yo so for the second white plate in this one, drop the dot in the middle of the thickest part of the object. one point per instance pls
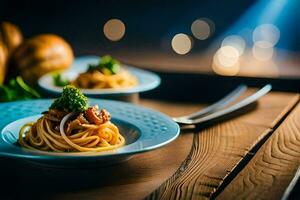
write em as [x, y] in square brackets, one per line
[147, 80]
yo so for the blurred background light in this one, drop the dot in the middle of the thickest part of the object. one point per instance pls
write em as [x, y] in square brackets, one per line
[114, 29]
[226, 71]
[202, 28]
[181, 43]
[265, 21]
[227, 56]
[262, 50]
[235, 41]
[259, 36]
[226, 61]
[268, 33]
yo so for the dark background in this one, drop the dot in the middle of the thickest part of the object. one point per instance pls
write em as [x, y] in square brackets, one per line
[147, 22]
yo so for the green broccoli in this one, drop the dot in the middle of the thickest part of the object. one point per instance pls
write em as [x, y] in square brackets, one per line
[59, 80]
[71, 100]
[107, 65]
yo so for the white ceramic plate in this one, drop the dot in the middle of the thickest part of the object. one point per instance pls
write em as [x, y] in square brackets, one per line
[147, 80]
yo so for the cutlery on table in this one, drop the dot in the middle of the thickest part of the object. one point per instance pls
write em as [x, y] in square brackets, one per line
[219, 108]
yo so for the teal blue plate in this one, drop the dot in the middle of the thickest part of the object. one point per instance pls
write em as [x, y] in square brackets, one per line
[144, 130]
[147, 80]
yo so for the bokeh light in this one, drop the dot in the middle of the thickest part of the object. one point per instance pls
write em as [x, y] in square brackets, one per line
[202, 28]
[235, 41]
[226, 61]
[227, 56]
[114, 29]
[262, 50]
[181, 43]
[268, 33]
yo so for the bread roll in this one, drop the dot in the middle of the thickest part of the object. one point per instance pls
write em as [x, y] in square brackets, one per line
[41, 54]
[10, 36]
[3, 59]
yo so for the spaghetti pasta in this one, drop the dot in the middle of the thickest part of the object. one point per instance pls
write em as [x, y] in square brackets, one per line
[108, 73]
[70, 125]
[96, 79]
[44, 135]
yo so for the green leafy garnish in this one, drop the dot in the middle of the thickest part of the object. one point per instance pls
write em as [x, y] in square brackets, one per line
[17, 89]
[107, 65]
[59, 80]
[71, 100]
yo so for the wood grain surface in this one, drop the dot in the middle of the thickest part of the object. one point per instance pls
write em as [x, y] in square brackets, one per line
[218, 150]
[273, 167]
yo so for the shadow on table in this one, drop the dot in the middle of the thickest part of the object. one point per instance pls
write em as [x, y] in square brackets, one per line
[23, 180]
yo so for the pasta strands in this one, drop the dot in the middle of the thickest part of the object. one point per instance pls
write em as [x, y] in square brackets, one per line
[42, 136]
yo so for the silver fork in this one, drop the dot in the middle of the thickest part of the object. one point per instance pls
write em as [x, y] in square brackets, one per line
[222, 103]
[216, 110]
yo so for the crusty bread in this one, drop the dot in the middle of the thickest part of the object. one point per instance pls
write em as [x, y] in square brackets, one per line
[10, 36]
[3, 59]
[41, 54]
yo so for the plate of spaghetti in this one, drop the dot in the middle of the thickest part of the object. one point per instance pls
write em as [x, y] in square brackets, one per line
[100, 76]
[73, 131]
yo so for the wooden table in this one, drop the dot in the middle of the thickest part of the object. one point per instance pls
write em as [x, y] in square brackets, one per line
[252, 156]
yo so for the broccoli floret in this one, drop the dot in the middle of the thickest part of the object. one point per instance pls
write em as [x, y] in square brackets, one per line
[107, 65]
[59, 80]
[71, 100]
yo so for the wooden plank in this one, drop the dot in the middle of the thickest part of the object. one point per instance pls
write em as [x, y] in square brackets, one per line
[276, 103]
[269, 172]
[217, 150]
